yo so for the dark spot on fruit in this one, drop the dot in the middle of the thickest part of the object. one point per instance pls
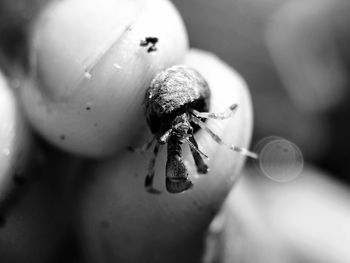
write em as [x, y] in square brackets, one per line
[150, 43]
[88, 108]
[62, 137]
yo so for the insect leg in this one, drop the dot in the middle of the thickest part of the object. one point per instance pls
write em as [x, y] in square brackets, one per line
[202, 168]
[193, 145]
[164, 138]
[216, 138]
[149, 178]
[219, 116]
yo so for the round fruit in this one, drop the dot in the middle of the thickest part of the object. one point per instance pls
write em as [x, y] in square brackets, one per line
[90, 70]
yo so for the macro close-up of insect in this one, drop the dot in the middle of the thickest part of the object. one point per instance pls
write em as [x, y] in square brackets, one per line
[153, 131]
[176, 105]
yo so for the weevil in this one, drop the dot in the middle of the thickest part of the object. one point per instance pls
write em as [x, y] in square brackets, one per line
[176, 105]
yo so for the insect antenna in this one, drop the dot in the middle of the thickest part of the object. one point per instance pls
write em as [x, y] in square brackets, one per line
[213, 115]
[216, 138]
[150, 175]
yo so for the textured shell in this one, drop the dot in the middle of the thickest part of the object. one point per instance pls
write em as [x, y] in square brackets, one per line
[174, 90]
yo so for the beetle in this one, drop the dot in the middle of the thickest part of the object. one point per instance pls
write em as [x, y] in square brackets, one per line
[176, 105]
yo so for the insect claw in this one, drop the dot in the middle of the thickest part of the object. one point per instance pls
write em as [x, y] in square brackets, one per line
[203, 169]
[153, 190]
[149, 185]
[150, 175]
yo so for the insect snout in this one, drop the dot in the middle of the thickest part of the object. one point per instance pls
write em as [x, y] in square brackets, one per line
[181, 126]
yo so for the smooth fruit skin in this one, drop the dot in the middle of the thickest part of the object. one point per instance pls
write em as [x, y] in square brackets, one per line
[89, 73]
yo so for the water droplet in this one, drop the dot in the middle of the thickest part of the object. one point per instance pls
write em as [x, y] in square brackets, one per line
[279, 159]
[117, 66]
[87, 75]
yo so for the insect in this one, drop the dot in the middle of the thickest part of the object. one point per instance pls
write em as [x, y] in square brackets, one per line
[176, 103]
[151, 42]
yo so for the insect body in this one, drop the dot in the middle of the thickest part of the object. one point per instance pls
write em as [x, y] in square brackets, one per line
[176, 102]
[172, 95]
[176, 105]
